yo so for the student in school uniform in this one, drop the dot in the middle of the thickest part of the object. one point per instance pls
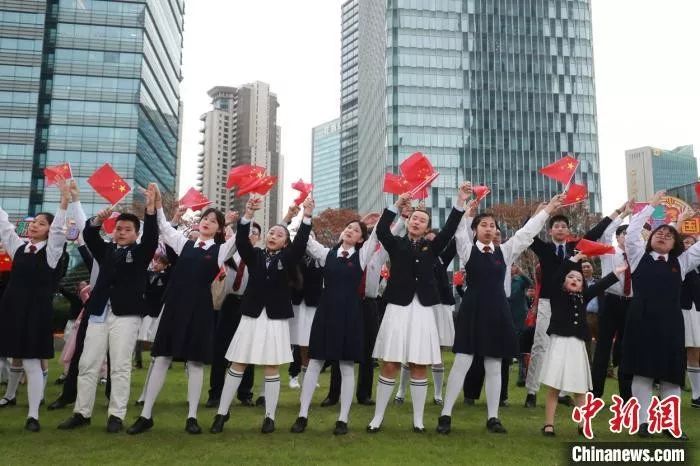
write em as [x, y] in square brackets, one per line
[484, 323]
[116, 308]
[186, 327]
[337, 333]
[654, 346]
[236, 282]
[262, 337]
[156, 283]
[408, 332]
[551, 255]
[26, 307]
[565, 365]
[690, 303]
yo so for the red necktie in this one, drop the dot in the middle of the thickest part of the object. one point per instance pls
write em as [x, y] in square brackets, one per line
[202, 244]
[627, 286]
[661, 259]
[487, 249]
[239, 276]
[32, 248]
[344, 254]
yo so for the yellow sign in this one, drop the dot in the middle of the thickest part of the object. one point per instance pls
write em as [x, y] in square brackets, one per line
[675, 206]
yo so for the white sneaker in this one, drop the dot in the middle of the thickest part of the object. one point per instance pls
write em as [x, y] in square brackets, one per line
[294, 383]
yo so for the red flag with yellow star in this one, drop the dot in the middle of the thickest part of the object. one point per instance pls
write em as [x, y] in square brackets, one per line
[108, 184]
[53, 173]
[260, 186]
[593, 248]
[417, 168]
[395, 184]
[194, 200]
[304, 190]
[243, 175]
[575, 194]
[562, 170]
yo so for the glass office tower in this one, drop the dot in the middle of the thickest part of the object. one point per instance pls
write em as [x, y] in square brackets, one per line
[325, 165]
[348, 103]
[490, 90]
[88, 82]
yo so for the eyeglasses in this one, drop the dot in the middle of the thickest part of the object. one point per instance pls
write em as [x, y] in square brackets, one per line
[664, 235]
[254, 233]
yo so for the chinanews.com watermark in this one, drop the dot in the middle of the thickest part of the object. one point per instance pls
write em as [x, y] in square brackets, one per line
[663, 416]
[611, 453]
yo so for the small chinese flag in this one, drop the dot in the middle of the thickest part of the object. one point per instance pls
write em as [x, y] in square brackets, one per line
[304, 190]
[458, 278]
[5, 262]
[385, 274]
[243, 174]
[592, 248]
[108, 184]
[111, 223]
[416, 168]
[395, 184]
[575, 194]
[194, 200]
[697, 190]
[260, 186]
[480, 192]
[52, 173]
[562, 170]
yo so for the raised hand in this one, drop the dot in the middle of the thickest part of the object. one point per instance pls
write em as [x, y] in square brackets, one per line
[554, 204]
[292, 212]
[471, 208]
[231, 217]
[309, 205]
[685, 214]
[253, 204]
[656, 199]
[464, 192]
[403, 201]
[102, 215]
[150, 196]
[370, 219]
[64, 188]
[74, 191]
[179, 212]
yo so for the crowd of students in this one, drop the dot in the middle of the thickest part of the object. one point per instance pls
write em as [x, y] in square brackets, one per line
[231, 296]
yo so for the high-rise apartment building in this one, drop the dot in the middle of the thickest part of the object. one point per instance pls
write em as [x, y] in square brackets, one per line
[349, 104]
[241, 129]
[650, 169]
[325, 165]
[490, 90]
[87, 82]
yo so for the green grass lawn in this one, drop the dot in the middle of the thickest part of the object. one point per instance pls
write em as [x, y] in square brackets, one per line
[469, 443]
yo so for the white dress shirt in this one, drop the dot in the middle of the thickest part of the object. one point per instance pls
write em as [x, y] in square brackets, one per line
[636, 246]
[380, 257]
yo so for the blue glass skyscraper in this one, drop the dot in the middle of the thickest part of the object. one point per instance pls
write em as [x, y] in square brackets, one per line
[88, 82]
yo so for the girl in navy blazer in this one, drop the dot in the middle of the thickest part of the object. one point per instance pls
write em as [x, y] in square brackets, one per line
[262, 337]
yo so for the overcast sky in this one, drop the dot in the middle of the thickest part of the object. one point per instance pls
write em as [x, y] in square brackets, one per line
[647, 65]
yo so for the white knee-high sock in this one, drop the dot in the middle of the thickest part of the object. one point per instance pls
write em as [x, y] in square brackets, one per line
[492, 382]
[302, 375]
[403, 381]
[35, 385]
[419, 390]
[145, 383]
[195, 380]
[13, 382]
[438, 377]
[347, 388]
[642, 388]
[231, 384]
[155, 384]
[272, 395]
[385, 387]
[309, 386]
[667, 389]
[694, 376]
[455, 381]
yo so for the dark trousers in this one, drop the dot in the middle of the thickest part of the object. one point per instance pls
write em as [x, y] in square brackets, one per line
[370, 311]
[474, 380]
[295, 366]
[611, 322]
[227, 322]
[334, 389]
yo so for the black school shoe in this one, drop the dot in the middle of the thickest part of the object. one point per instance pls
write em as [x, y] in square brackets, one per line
[341, 428]
[566, 401]
[32, 425]
[643, 431]
[192, 427]
[218, 425]
[372, 430]
[495, 427]
[695, 403]
[328, 402]
[114, 425]
[140, 426]
[260, 401]
[299, 425]
[444, 425]
[682, 438]
[268, 426]
[212, 403]
[75, 421]
[548, 433]
[5, 402]
[58, 404]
